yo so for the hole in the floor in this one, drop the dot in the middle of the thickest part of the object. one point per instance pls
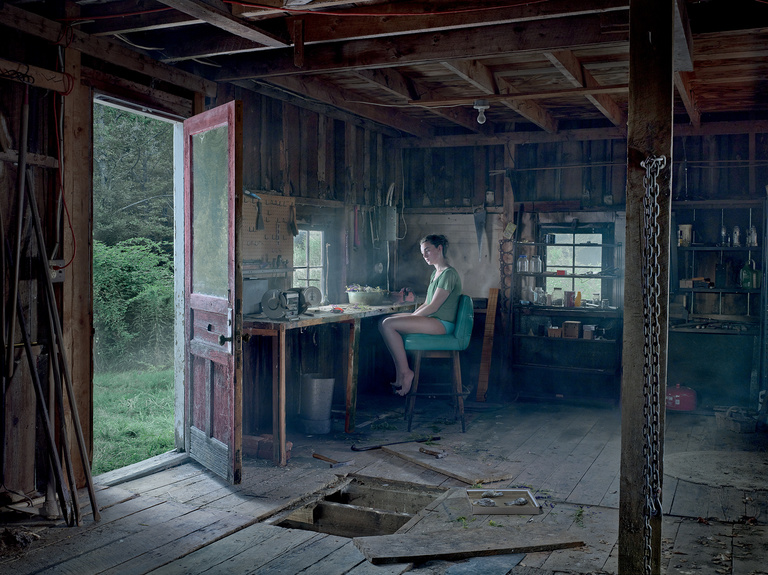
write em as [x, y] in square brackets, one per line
[364, 507]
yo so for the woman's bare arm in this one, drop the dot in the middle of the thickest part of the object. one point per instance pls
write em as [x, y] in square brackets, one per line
[438, 298]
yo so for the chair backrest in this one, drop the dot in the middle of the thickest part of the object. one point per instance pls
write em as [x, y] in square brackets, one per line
[464, 319]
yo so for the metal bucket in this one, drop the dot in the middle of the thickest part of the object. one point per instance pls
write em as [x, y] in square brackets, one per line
[316, 400]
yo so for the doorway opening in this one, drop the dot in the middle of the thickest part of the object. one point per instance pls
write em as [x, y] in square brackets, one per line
[133, 285]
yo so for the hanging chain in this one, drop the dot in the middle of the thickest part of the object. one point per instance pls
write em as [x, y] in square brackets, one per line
[651, 348]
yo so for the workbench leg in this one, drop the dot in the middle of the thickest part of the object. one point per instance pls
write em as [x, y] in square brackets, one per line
[280, 437]
[352, 363]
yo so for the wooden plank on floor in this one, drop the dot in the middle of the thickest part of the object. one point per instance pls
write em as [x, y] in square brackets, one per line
[54, 536]
[701, 549]
[456, 544]
[210, 531]
[349, 560]
[598, 527]
[210, 557]
[72, 554]
[557, 453]
[573, 467]
[167, 477]
[453, 465]
[303, 556]
[749, 548]
[597, 481]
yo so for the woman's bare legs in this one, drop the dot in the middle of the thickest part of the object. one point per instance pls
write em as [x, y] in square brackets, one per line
[392, 329]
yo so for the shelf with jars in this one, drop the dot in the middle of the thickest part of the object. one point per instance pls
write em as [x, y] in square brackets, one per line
[718, 266]
[717, 298]
[563, 317]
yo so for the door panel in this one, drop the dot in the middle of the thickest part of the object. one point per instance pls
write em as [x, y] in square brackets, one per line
[213, 283]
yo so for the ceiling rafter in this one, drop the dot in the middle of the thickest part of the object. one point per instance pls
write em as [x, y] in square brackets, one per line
[687, 95]
[528, 108]
[406, 89]
[103, 49]
[421, 48]
[538, 95]
[317, 89]
[568, 64]
[215, 13]
[482, 78]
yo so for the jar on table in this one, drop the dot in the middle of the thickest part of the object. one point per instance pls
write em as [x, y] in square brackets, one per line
[535, 265]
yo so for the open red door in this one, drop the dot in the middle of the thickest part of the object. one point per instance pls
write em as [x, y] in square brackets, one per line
[212, 288]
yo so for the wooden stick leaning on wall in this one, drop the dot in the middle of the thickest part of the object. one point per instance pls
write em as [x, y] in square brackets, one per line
[487, 354]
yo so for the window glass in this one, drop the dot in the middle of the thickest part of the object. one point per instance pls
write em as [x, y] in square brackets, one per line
[308, 260]
[579, 255]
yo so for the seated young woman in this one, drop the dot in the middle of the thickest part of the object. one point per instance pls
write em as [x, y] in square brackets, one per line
[436, 316]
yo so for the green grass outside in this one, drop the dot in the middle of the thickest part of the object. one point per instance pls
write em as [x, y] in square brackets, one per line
[132, 417]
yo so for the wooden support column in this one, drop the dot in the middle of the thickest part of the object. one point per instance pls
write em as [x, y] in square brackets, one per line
[77, 302]
[649, 134]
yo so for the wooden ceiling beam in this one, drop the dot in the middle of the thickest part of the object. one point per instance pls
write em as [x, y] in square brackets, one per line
[400, 86]
[481, 77]
[389, 80]
[513, 138]
[687, 95]
[422, 48]
[564, 93]
[570, 67]
[474, 73]
[683, 46]
[102, 49]
[583, 135]
[215, 13]
[141, 16]
[316, 89]
[527, 108]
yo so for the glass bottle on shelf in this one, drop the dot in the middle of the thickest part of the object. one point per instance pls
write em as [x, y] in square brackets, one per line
[522, 263]
[557, 297]
[535, 265]
[745, 275]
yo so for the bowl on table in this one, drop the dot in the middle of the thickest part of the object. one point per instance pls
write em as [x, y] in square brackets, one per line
[366, 297]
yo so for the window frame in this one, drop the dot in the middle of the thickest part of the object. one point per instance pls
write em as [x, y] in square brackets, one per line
[307, 281]
[573, 280]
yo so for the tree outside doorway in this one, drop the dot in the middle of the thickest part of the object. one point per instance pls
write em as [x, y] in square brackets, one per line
[132, 287]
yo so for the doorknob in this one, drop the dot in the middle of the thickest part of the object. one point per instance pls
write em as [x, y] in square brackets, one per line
[223, 340]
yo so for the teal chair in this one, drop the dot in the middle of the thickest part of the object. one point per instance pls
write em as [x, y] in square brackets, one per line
[441, 346]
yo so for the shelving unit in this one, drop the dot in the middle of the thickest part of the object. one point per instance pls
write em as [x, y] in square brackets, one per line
[559, 367]
[717, 327]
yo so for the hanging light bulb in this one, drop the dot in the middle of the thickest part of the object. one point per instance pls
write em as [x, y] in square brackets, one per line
[481, 106]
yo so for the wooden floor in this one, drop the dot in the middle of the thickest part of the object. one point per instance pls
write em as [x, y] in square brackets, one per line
[185, 520]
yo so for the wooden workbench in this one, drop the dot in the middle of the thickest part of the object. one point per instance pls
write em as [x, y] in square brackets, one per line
[352, 315]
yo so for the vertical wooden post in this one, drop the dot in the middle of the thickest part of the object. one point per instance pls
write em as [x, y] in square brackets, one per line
[649, 134]
[77, 300]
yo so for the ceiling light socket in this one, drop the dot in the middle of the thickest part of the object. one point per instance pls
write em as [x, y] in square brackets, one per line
[481, 106]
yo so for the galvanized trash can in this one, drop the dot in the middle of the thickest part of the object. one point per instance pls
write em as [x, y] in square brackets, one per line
[316, 400]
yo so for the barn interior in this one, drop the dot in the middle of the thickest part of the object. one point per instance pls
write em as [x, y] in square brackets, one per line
[619, 148]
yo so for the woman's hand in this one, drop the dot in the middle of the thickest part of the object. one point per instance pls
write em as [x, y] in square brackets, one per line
[438, 299]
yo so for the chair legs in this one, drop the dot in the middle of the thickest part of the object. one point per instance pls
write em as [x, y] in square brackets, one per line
[456, 392]
[458, 406]
[410, 400]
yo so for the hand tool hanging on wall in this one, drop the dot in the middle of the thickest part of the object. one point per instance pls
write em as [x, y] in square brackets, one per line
[292, 221]
[57, 340]
[480, 230]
